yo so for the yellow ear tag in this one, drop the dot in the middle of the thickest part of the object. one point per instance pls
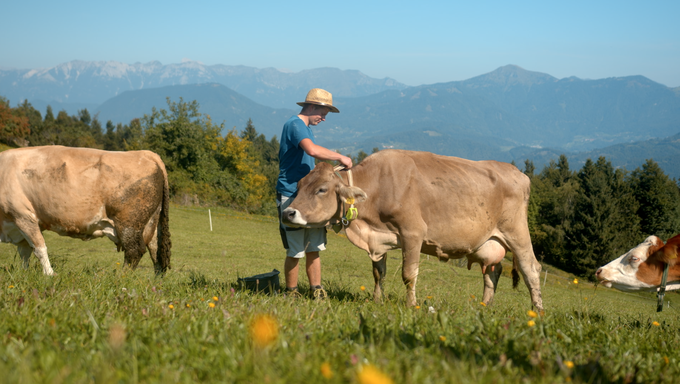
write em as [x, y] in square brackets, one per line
[349, 200]
[352, 214]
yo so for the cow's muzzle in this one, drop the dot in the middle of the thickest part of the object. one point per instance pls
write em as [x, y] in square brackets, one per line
[292, 218]
[602, 279]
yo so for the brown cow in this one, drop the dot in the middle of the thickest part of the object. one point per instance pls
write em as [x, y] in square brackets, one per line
[85, 193]
[641, 268]
[442, 206]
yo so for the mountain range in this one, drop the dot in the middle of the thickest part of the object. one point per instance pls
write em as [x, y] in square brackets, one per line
[93, 82]
[508, 114]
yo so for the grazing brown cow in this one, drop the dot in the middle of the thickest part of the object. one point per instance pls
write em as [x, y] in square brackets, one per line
[85, 193]
[421, 202]
[641, 268]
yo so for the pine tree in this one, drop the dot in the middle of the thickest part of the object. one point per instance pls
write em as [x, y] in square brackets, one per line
[601, 225]
[659, 201]
[110, 138]
[555, 188]
[529, 168]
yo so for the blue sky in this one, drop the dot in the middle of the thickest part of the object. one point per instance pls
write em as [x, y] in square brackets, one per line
[431, 42]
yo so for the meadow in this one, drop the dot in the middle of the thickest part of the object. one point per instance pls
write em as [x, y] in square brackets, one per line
[96, 321]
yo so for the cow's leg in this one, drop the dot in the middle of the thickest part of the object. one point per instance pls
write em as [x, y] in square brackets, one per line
[409, 273]
[25, 251]
[33, 239]
[491, 276]
[530, 269]
[379, 271]
[41, 254]
[152, 246]
[151, 238]
[133, 245]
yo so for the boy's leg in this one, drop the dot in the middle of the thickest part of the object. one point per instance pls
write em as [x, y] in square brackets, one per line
[313, 268]
[290, 269]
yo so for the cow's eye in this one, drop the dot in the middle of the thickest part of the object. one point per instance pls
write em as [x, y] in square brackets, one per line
[322, 190]
[634, 259]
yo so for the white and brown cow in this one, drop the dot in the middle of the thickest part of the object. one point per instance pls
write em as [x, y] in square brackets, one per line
[641, 268]
[424, 203]
[85, 193]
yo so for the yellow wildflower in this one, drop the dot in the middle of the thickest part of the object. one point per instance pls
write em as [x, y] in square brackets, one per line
[483, 304]
[665, 359]
[215, 298]
[429, 297]
[264, 330]
[11, 286]
[326, 370]
[569, 364]
[211, 305]
[417, 306]
[532, 313]
[188, 305]
[362, 288]
[655, 323]
[171, 306]
[442, 338]
[531, 323]
[575, 281]
[372, 375]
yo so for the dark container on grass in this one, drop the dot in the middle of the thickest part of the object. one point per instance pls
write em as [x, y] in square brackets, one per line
[265, 282]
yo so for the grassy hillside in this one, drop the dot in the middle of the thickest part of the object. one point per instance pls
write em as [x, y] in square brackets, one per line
[95, 321]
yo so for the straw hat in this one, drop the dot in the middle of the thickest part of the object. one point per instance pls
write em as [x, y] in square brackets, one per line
[319, 96]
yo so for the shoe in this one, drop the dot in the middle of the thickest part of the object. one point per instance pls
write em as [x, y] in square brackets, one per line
[293, 293]
[318, 293]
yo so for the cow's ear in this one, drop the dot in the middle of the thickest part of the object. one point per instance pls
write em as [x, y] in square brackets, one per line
[655, 246]
[671, 250]
[355, 193]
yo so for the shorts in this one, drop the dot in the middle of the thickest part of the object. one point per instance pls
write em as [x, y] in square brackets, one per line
[299, 241]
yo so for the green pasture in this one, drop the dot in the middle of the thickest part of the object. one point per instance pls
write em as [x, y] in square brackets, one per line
[96, 322]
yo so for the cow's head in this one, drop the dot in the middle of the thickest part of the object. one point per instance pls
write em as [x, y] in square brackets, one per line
[319, 199]
[641, 268]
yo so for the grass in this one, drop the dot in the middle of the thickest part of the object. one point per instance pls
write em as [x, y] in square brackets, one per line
[98, 322]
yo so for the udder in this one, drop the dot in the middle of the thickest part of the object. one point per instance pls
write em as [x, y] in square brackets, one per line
[489, 254]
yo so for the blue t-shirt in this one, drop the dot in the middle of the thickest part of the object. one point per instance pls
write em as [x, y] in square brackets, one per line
[294, 162]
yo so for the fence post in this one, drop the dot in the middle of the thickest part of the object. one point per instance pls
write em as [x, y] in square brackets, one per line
[545, 277]
[210, 217]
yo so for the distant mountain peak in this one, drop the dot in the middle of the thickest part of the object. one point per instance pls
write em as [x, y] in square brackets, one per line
[510, 75]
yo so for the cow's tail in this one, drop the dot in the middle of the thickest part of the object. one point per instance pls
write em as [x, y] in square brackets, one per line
[163, 230]
[515, 274]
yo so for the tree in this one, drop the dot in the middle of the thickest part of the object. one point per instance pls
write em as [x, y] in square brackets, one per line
[554, 191]
[110, 139]
[267, 155]
[238, 159]
[529, 168]
[14, 127]
[658, 199]
[183, 138]
[71, 131]
[249, 132]
[49, 115]
[603, 219]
